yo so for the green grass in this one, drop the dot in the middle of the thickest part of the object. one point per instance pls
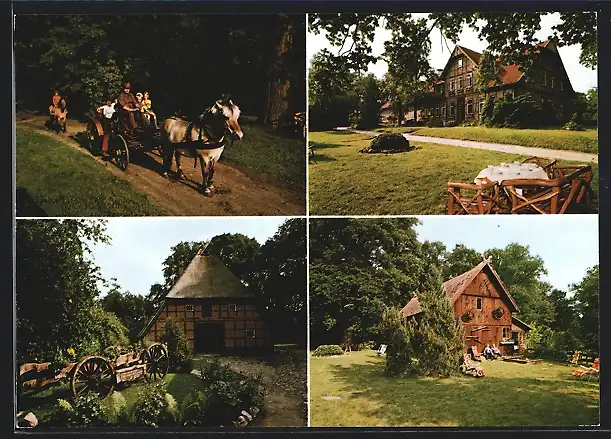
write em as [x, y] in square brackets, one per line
[584, 141]
[54, 179]
[510, 394]
[344, 182]
[260, 152]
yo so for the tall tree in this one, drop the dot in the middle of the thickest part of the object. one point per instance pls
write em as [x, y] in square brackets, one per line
[369, 102]
[357, 268]
[586, 304]
[459, 260]
[133, 310]
[57, 287]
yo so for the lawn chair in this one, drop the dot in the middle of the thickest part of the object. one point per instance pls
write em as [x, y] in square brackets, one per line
[591, 371]
[575, 360]
[477, 356]
[469, 368]
[382, 350]
[476, 199]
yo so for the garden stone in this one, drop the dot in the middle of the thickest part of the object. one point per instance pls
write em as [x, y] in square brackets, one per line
[247, 415]
[28, 421]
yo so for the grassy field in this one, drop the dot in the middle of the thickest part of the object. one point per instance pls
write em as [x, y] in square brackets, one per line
[584, 141]
[510, 394]
[344, 182]
[260, 152]
[54, 179]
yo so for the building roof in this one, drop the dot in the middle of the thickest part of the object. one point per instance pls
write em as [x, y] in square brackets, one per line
[207, 277]
[520, 324]
[455, 286]
[471, 54]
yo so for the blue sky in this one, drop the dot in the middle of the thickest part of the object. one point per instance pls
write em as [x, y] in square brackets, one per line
[568, 244]
[582, 78]
[139, 246]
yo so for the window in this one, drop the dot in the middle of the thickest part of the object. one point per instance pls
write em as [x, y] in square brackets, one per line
[482, 101]
[452, 109]
[561, 85]
[189, 308]
[551, 82]
[451, 84]
[443, 111]
[470, 107]
[206, 310]
[469, 80]
[478, 303]
[460, 62]
[505, 332]
[459, 83]
[544, 80]
[232, 307]
[250, 333]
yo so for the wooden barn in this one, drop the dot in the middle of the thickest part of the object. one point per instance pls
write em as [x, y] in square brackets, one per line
[485, 307]
[216, 310]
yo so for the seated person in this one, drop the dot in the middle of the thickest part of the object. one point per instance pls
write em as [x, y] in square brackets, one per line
[146, 109]
[495, 351]
[129, 108]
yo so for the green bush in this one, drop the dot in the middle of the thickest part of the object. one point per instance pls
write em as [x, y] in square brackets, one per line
[227, 393]
[388, 143]
[522, 112]
[573, 126]
[115, 406]
[328, 349]
[85, 411]
[154, 407]
[180, 353]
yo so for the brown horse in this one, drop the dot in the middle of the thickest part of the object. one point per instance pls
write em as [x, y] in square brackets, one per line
[202, 139]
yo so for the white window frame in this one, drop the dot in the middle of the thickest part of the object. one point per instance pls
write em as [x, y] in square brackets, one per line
[452, 84]
[460, 63]
[443, 111]
[452, 110]
[551, 82]
[459, 83]
[544, 80]
[232, 307]
[469, 80]
[469, 102]
[189, 308]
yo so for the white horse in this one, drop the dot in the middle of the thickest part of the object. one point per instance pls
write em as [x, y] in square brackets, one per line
[203, 139]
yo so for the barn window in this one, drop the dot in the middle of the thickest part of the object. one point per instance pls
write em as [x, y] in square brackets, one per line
[250, 333]
[505, 332]
[478, 302]
[189, 308]
[233, 307]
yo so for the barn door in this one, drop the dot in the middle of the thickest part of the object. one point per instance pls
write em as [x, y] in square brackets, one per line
[209, 337]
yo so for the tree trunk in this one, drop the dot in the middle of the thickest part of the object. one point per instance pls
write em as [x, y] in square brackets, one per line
[278, 110]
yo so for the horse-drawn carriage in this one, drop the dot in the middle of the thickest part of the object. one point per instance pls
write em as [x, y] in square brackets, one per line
[96, 373]
[122, 142]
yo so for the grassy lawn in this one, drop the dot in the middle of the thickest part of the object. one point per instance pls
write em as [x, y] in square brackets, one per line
[584, 141]
[510, 394]
[260, 152]
[344, 182]
[54, 179]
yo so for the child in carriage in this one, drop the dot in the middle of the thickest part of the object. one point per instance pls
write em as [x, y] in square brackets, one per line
[146, 109]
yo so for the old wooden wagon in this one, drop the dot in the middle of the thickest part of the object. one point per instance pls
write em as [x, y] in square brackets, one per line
[96, 373]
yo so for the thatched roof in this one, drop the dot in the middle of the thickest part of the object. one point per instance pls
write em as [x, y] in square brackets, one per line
[455, 286]
[207, 277]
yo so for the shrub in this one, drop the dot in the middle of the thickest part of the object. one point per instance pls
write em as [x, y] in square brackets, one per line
[180, 353]
[573, 126]
[387, 143]
[328, 349]
[398, 351]
[228, 393]
[115, 407]
[154, 407]
[85, 411]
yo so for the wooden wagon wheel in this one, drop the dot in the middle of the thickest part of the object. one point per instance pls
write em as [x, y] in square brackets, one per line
[157, 362]
[95, 374]
[120, 152]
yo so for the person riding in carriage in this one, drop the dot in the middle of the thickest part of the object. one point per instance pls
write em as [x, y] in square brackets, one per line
[128, 108]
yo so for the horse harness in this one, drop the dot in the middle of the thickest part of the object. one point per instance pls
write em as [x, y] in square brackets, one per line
[200, 143]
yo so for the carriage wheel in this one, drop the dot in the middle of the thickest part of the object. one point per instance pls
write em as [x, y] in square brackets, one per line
[157, 362]
[94, 141]
[94, 374]
[120, 152]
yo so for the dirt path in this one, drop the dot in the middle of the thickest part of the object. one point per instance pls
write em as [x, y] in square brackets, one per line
[236, 192]
[284, 376]
[510, 149]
